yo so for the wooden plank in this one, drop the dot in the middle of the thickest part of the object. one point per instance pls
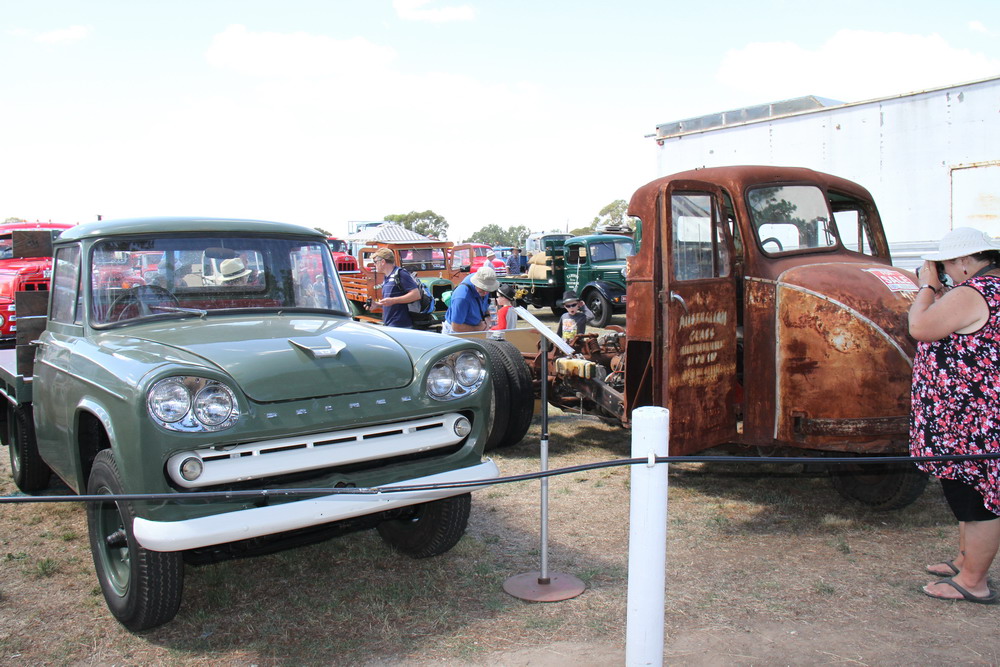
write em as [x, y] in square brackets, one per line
[28, 304]
[29, 328]
[32, 242]
[25, 360]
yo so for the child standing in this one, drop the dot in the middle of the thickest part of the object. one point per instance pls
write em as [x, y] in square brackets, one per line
[574, 321]
[506, 316]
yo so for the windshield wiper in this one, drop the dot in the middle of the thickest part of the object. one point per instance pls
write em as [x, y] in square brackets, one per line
[178, 309]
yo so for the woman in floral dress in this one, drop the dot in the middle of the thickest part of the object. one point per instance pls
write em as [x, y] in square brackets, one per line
[955, 402]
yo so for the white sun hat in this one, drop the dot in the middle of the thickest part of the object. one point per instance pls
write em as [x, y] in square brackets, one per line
[962, 241]
[485, 279]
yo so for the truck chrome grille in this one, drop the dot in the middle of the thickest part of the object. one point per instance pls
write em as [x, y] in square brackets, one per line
[286, 456]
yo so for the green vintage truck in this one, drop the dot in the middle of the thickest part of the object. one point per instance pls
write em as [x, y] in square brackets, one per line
[237, 366]
[593, 266]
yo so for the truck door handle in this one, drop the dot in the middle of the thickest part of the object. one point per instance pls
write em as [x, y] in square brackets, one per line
[674, 296]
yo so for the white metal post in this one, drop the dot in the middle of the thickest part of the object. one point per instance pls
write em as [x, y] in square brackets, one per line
[647, 547]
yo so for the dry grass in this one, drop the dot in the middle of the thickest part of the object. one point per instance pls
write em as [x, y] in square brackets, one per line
[764, 566]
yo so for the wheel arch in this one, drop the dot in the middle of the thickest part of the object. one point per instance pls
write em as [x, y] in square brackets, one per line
[94, 432]
[608, 289]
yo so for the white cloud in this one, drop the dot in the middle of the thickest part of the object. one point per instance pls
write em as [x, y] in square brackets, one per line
[63, 36]
[416, 10]
[852, 65]
[299, 54]
[979, 26]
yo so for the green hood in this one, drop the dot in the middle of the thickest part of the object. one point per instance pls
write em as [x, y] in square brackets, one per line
[278, 359]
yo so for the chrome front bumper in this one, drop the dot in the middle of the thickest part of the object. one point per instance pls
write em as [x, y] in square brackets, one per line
[256, 522]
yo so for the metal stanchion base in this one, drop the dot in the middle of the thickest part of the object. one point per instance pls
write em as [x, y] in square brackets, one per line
[560, 586]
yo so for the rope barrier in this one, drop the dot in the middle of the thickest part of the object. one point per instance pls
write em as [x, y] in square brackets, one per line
[238, 495]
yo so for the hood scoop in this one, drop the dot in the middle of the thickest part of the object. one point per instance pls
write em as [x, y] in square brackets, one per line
[319, 348]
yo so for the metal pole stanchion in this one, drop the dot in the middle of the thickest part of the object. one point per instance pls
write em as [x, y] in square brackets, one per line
[541, 585]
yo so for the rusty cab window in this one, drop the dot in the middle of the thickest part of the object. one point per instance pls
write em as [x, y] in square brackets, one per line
[853, 223]
[791, 217]
[699, 248]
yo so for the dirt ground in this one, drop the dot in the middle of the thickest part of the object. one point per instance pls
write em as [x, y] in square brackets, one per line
[766, 565]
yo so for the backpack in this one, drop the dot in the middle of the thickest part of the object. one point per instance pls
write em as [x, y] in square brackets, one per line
[425, 304]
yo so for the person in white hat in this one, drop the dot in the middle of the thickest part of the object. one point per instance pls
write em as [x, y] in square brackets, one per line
[233, 271]
[955, 402]
[469, 309]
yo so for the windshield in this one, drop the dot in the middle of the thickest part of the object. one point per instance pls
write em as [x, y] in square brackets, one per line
[6, 247]
[170, 276]
[611, 251]
[791, 217]
[336, 245]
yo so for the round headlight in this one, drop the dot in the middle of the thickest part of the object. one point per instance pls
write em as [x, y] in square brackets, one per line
[169, 400]
[468, 369]
[440, 380]
[463, 427]
[191, 468]
[214, 404]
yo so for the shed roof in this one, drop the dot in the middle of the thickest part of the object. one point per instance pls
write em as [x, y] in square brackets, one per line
[387, 232]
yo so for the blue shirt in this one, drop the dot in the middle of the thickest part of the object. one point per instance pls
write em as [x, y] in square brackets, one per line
[467, 307]
[398, 283]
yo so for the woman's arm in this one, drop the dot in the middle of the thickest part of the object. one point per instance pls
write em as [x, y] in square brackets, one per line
[936, 314]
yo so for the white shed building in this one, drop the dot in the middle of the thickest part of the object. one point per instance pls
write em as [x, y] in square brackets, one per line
[931, 158]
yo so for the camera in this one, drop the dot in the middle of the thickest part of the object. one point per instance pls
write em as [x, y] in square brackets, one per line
[941, 275]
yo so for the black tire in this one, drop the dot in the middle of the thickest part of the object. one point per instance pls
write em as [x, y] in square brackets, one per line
[142, 588]
[558, 312]
[880, 487]
[500, 405]
[522, 395]
[29, 471]
[600, 306]
[428, 529]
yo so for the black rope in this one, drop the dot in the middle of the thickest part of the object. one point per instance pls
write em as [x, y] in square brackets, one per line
[378, 490]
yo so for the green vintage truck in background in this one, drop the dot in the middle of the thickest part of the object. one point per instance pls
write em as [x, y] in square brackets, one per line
[236, 366]
[593, 266]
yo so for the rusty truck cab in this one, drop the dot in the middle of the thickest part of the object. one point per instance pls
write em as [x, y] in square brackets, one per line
[775, 318]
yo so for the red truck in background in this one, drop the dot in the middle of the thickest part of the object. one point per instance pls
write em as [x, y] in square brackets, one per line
[342, 257]
[29, 274]
[469, 257]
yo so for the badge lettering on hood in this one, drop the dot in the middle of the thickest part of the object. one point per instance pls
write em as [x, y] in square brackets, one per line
[317, 350]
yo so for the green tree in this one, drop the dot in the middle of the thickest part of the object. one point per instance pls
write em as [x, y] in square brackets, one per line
[427, 223]
[495, 235]
[8, 220]
[614, 214]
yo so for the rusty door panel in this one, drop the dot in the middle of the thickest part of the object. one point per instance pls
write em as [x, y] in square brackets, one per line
[758, 362]
[698, 320]
[844, 361]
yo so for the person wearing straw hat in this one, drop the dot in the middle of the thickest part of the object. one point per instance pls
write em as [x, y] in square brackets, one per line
[233, 271]
[955, 402]
[469, 309]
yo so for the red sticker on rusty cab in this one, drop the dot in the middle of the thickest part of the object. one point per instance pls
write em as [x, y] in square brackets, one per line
[894, 280]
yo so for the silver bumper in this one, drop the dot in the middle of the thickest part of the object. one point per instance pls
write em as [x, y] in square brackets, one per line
[256, 522]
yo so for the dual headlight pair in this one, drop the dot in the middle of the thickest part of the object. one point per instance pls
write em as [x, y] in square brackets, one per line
[191, 404]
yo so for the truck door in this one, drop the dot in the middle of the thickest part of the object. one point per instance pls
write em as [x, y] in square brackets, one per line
[698, 318]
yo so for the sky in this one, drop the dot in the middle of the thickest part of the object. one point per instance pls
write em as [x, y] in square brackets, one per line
[506, 112]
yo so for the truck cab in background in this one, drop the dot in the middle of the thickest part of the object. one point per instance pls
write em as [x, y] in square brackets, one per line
[765, 314]
[21, 274]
